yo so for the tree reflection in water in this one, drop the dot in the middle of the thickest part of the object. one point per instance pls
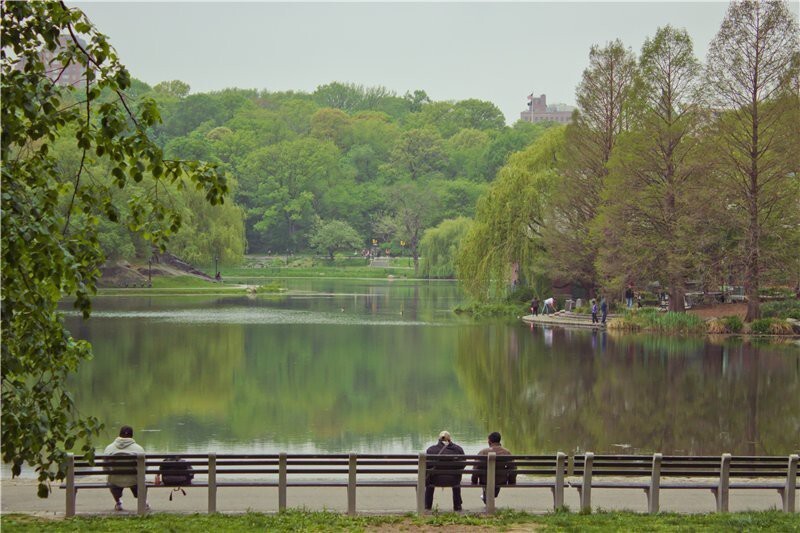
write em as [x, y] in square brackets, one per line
[556, 389]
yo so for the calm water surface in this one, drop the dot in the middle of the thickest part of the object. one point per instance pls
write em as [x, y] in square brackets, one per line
[377, 366]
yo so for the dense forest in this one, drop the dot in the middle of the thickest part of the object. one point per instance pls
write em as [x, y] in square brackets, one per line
[333, 169]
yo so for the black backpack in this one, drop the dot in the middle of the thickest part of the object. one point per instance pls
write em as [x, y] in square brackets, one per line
[175, 472]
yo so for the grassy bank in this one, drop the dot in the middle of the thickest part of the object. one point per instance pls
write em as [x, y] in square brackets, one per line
[325, 521]
[304, 266]
[652, 320]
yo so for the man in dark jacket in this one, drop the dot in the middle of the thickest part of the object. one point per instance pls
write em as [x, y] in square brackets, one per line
[444, 471]
[505, 472]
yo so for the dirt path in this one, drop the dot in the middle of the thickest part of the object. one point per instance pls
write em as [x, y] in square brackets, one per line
[720, 310]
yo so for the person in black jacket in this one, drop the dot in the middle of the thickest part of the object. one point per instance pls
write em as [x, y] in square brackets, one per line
[443, 470]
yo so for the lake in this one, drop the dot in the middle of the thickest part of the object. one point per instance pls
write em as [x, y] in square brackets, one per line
[383, 366]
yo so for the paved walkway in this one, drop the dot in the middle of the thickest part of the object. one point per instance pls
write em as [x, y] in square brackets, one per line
[19, 496]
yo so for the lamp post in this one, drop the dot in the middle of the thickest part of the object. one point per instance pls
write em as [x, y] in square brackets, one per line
[216, 267]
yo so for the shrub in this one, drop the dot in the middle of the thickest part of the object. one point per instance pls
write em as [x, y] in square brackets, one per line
[780, 327]
[624, 324]
[717, 326]
[782, 309]
[760, 326]
[733, 324]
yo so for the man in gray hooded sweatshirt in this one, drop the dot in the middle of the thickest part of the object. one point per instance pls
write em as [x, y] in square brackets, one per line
[123, 445]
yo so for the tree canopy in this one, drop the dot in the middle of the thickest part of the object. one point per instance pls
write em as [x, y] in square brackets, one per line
[53, 213]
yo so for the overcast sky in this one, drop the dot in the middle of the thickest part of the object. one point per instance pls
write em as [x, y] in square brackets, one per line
[499, 52]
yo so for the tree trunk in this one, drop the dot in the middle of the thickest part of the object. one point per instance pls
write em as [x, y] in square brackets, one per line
[676, 294]
[415, 255]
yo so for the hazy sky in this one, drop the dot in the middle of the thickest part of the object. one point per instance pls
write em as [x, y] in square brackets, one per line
[499, 52]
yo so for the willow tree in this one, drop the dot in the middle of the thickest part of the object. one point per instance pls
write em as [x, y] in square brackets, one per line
[751, 64]
[50, 218]
[649, 212]
[507, 231]
[590, 140]
[439, 247]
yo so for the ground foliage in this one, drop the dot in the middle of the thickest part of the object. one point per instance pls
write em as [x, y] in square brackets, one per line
[503, 520]
[51, 217]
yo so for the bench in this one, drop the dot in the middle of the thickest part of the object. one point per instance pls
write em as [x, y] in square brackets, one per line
[712, 473]
[302, 470]
[351, 471]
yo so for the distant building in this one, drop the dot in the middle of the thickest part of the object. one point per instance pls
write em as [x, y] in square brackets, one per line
[73, 75]
[539, 111]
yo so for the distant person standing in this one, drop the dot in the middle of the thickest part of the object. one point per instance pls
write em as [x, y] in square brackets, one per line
[549, 305]
[535, 306]
[444, 471]
[594, 312]
[603, 310]
[123, 445]
[629, 296]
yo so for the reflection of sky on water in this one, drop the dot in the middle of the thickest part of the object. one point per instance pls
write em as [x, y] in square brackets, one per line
[255, 316]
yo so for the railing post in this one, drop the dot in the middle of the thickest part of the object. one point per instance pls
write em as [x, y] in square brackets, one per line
[212, 482]
[655, 485]
[421, 468]
[791, 481]
[282, 481]
[71, 495]
[141, 484]
[351, 486]
[491, 468]
[558, 490]
[723, 491]
[586, 494]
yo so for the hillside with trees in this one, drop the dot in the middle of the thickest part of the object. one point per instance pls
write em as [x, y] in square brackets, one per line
[328, 170]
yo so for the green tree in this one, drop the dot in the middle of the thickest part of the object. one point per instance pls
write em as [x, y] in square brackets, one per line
[649, 215]
[414, 209]
[334, 235]
[507, 231]
[282, 186]
[50, 245]
[602, 96]
[176, 88]
[752, 62]
[419, 152]
[439, 247]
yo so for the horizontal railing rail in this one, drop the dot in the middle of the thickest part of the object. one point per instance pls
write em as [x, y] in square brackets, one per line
[555, 472]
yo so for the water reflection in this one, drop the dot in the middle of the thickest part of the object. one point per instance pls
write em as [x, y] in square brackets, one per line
[572, 390]
[379, 367]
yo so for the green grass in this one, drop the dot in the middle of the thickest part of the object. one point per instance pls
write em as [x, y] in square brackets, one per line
[297, 520]
[236, 274]
[649, 319]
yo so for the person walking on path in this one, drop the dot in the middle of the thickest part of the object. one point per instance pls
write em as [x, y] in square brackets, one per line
[505, 470]
[123, 445]
[444, 471]
[603, 310]
[594, 312]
